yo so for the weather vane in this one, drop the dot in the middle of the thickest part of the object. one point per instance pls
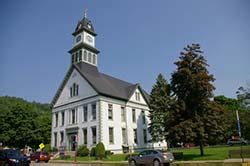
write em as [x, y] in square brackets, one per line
[85, 13]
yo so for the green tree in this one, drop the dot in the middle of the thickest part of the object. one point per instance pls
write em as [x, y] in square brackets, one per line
[100, 151]
[230, 122]
[24, 123]
[243, 95]
[159, 108]
[194, 113]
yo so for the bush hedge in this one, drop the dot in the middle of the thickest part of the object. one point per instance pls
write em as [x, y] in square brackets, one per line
[82, 151]
[100, 151]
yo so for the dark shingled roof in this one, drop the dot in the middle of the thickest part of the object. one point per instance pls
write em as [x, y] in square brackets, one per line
[85, 24]
[104, 84]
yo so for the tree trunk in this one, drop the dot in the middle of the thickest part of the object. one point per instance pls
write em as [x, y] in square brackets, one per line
[201, 148]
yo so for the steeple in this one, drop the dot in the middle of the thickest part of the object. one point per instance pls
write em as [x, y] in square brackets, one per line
[84, 42]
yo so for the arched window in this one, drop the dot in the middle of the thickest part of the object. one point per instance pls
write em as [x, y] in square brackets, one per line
[89, 57]
[80, 55]
[74, 89]
[73, 58]
[94, 59]
[85, 56]
[76, 57]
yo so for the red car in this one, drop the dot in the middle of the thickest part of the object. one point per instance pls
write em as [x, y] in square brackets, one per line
[40, 156]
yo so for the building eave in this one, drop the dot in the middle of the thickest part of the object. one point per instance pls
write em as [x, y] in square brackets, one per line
[83, 45]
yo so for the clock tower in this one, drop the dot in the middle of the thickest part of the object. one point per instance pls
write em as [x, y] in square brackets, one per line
[84, 49]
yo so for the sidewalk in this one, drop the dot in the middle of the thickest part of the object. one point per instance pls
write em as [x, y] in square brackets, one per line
[227, 162]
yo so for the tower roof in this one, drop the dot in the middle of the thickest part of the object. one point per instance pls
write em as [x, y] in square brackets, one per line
[84, 24]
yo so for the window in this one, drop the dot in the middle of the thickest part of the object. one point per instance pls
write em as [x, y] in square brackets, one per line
[124, 136]
[93, 111]
[85, 56]
[89, 57]
[110, 112]
[56, 124]
[123, 116]
[71, 91]
[62, 113]
[62, 137]
[55, 139]
[143, 117]
[76, 57]
[73, 116]
[85, 136]
[73, 58]
[85, 113]
[93, 135]
[133, 115]
[137, 96]
[94, 59]
[74, 89]
[111, 135]
[145, 136]
[135, 136]
[80, 55]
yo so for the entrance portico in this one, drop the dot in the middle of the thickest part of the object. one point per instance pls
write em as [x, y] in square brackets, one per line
[72, 138]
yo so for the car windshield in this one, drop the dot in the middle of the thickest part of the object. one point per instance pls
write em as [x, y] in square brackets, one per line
[13, 153]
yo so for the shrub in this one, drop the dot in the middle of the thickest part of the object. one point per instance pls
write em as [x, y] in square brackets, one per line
[92, 152]
[47, 148]
[54, 149]
[100, 151]
[108, 153]
[82, 151]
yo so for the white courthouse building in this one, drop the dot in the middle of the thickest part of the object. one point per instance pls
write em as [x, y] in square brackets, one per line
[91, 107]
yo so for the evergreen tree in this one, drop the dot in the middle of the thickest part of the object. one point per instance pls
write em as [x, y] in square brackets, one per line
[159, 108]
[194, 118]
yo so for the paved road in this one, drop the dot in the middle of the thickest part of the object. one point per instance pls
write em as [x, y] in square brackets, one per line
[57, 164]
[69, 164]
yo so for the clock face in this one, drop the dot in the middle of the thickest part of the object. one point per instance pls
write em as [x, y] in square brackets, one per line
[89, 38]
[78, 38]
[89, 26]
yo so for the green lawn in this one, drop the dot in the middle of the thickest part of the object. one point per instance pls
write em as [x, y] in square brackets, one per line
[211, 153]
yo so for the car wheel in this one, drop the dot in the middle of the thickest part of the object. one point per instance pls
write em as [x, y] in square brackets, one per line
[132, 163]
[36, 160]
[156, 163]
[46, 161]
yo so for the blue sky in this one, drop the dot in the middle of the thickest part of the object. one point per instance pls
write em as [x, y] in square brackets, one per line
[137, 39]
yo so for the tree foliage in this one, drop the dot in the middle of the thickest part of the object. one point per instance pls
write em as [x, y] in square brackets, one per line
[243, 95]
[230, 122]
[159, 108]
[100, 151]
[24, 123]
[194, 117]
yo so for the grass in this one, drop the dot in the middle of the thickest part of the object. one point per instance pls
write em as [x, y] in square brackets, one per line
[211, 153]
[191, 154]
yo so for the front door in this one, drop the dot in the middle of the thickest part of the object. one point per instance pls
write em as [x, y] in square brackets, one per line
[72, 142]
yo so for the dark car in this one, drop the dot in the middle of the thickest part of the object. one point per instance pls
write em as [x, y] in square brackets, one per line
[152, 157]
[9, 157]
[40, 156]
[238, 141]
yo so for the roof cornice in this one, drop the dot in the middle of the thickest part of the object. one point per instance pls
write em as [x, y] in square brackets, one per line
[83, 45]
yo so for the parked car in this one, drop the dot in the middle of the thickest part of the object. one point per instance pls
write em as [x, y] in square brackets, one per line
[40, 156]
[238, 141]
[9, 157]
[152, 157]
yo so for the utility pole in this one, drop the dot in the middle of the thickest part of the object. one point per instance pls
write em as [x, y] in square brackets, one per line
[238, 123]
